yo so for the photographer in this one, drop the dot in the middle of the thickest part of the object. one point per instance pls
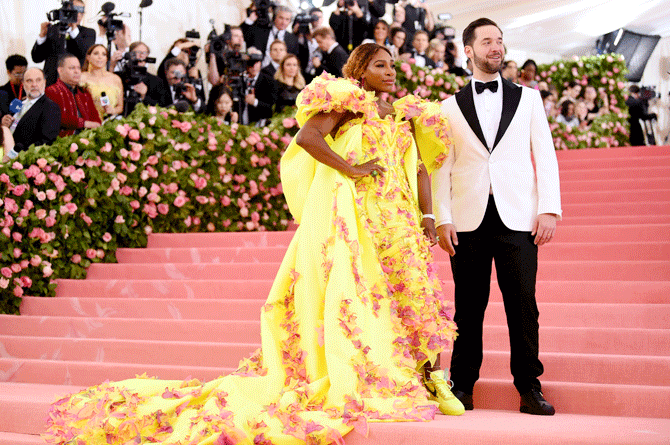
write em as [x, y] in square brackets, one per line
[66, 36]
[180, 87]
[222, 56]
[259, 93]
[349, 24]
[308, 49]
[638, 107]
[139, 85]
[261, 35]
[184, 50]
[414, 16]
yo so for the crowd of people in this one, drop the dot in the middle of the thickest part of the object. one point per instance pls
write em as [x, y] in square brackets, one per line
[254, 70]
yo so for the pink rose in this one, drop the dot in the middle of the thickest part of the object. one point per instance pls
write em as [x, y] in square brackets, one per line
[119, 219]
[179, 201]
[90, 253]
[107, 237]
[17, 252]
[47, 271]
[6, 271]
[123, 129]
[4, 283]
[134, 134]
[76, 258]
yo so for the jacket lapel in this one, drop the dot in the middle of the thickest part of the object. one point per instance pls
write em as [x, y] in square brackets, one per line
[467, 105]
[511, 99]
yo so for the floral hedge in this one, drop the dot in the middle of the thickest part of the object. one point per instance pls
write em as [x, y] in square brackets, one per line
[602, 71]
[65, 206]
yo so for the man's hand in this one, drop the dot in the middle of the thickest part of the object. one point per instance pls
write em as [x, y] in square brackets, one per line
[316, 62]
[234, 117]
[44, 27]
[250, 99]
[447, 238]
[91, 124]
[141, 89]
[7, 121]
[544, 228]
[189, 93]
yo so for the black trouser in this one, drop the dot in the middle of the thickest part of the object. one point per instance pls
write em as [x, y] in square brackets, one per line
[515, 257]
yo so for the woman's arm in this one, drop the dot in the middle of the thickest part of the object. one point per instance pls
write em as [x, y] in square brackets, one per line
[119, 97]
[425, 199]
[311, 138]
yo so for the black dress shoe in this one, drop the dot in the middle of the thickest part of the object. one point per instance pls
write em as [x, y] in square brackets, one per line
[466, 399]
[533, 402]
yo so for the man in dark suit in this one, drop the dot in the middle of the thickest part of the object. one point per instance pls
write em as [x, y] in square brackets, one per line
[140, 87]
[4, 103]
[38, 121]
[51, 43]
[497, 198]
[261, 37]
[638, 110]
[334, 56]
[277, 53]
[16, 67]
[260, 93]
[179, 92]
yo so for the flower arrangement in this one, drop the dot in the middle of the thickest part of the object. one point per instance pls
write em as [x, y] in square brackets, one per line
[430, 84]
[75, 202]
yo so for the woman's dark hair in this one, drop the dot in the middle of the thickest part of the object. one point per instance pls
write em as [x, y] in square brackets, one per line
[360, 58]
[565, 106]
[544, 94]
[215, 95]
[528, 63]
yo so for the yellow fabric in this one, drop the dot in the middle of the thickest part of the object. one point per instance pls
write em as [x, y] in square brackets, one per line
[113, 92]
[354, 311]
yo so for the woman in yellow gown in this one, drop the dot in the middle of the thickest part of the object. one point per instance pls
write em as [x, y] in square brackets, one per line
[98, 80]
[355, 311]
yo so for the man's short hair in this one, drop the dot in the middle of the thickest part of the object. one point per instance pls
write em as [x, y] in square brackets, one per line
[134, 45]
[506, 63]
[15, 60]
[544, 94]
[313, 10]
[278, 42]
[64, 57]
[279, 9]
[528, 63]
[172, 62]
[634, 89]
[469, 31]
[324, 31]
[419, 33]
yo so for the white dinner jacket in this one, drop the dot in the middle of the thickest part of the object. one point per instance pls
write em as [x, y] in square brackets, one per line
[461, 186]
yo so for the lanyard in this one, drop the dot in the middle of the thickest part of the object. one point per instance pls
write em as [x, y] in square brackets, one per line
[14, 91]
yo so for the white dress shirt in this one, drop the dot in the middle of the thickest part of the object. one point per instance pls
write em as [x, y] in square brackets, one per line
[275, 34]
[489, 110]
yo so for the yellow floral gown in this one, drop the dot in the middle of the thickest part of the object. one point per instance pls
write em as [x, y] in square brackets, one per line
[355, 309]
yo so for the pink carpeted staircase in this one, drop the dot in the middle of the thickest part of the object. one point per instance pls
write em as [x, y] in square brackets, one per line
[188, 305]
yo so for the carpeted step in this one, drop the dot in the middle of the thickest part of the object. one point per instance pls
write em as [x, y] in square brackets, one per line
[613, 184]
[226, 255]
[20, 439]
[636, 220]
[548, 270]
[596, 208]
[580, 291]
[651, 316]
[611, 196]
[131, 328]
[622, 163]
[612, 153]
[632, 172]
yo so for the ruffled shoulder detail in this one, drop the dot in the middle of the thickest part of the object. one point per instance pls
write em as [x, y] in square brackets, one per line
[327, 93]
[431, 129]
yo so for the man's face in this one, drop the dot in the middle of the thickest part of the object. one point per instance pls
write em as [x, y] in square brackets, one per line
[141, 52]
[277, 52]
[487, 51]
[510, 71]
[16, 75]
[253, 70]
[70, 72]
[282, 19]
[319, 21]
[324, 42]
[34, 83]
[420, 43]
[80, 15]
[175, 74]
[236, 38]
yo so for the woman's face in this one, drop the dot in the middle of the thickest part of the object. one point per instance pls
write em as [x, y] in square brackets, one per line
[98, 57]
[381, 32]
[438, 53]
[290, 68]
[223, 105]
[380, 73]
[581, 110]
[571, 110]
[590, 93]
[399, 39]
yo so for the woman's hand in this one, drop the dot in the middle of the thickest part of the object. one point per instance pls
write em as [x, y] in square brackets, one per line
[370, 168]
[429, 230]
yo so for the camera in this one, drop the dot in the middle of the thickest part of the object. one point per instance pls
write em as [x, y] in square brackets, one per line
[65, 16]
[192, 51]
[304, 20]
[133, 74]
[109, 22]
[263, 12]
[648, 93]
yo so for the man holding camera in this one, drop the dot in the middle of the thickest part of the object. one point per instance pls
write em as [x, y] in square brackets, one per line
[139, 85]
[260, 93]
[37, 120]
[261, 37]
[222, 56]
[57, 39]
[181, 90]
[334, 56]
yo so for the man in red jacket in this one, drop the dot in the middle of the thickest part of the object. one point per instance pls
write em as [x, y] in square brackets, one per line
[77, 108]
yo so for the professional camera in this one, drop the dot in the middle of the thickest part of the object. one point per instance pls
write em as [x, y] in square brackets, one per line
[648, 93]
[109, 22]
[192, 51]
[133, 74]
[236, 66]
[304, 19]
[263, 12]
[65, 16]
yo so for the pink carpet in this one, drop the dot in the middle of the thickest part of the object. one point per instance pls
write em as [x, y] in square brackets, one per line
[603, 294]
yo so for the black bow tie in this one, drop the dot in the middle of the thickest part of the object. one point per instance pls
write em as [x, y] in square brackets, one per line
[481, 86]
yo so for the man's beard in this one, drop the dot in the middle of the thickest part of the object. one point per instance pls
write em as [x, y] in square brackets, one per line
[484, 65]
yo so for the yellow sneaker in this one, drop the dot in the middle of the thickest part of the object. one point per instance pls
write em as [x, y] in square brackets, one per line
[440, 391]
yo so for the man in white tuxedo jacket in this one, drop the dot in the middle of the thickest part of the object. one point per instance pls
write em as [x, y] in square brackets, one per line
[496, 198]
